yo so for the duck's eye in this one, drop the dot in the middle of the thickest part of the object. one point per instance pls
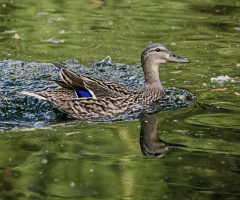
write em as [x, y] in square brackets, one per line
[157, 50]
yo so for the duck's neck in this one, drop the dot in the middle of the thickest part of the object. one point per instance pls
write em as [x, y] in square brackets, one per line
[151, 75]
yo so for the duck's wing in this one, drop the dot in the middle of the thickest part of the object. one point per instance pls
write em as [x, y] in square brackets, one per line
[85, 108]
[61, 84]
[100, 88]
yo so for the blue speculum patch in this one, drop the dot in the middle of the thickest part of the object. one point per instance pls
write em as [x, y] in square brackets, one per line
[85, 94]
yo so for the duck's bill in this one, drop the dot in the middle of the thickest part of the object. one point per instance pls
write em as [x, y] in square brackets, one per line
[175, 58]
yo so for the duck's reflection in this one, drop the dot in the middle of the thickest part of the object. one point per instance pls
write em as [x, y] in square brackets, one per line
[151, 144]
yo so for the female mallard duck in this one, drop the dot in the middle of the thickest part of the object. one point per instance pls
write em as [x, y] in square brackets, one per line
[84, 97]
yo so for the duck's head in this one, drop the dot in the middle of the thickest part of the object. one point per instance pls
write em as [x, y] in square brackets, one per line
[152, 57]
[156, 54]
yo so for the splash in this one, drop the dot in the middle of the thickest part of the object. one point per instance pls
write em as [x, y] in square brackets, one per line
[21, 111]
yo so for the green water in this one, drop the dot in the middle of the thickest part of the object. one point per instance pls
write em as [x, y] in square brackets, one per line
[89, 160]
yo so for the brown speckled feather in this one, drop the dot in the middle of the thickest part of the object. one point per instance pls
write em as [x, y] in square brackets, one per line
[99, 87]
[86, 108]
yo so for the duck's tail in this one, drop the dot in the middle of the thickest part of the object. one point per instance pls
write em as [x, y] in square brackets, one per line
[59, 65]
[33, 95]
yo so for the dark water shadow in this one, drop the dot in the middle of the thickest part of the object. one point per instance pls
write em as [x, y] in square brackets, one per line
[151, 145]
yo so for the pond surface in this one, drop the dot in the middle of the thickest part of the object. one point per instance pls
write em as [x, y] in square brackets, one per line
[194, 148]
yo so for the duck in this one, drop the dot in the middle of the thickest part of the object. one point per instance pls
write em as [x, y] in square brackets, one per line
[85, 97]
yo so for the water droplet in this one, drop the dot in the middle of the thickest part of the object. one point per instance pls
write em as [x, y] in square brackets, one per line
[38, 124]
[44, 161]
